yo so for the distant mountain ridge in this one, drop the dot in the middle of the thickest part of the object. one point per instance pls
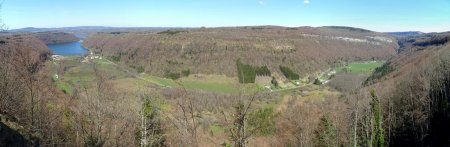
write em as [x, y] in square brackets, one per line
[405, 34]
[86, 28]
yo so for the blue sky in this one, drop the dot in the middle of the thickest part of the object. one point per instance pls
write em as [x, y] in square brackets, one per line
[377, 15]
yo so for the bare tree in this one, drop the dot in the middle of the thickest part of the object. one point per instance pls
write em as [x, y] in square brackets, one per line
[10, 97]
[26, 65]
[92, 118]
[151, 132]
[239, 131]
[187, 124]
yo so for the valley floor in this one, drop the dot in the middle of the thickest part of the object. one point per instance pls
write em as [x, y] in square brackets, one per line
[73, 73]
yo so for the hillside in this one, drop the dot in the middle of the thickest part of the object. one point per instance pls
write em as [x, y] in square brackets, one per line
[22, 56]
[46, 37]
[84, 28]
[215, 50]
[405, 34]
[28, 42]
[414, 89]
[64, 94]
[55, 37]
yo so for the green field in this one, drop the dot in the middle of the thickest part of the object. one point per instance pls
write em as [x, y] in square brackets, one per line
[81, 74]
[360, 67]
[216, 128]
[78, 74]
[159, 81]
[211, 83]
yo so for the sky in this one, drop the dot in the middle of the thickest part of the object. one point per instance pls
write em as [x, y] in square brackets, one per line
[376, 15]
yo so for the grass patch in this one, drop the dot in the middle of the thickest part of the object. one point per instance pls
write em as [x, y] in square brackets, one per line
[211, 83]
[82, 74]
[101, 61]
[360, 67]
[72, 57]
[216, 128]
[209, 86]
[160, 81]
[65, 87]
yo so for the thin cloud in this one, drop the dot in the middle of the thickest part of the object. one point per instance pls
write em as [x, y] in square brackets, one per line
[306, 1]
[261, 2]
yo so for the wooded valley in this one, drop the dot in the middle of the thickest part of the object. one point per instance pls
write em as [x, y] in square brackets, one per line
[230, 86]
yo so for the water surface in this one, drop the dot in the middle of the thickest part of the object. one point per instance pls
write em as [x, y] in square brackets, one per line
[71, 48]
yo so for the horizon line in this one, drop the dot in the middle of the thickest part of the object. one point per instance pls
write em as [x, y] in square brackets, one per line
[229, 26]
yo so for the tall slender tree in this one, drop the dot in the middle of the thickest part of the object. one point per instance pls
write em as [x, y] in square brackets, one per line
[377, 130]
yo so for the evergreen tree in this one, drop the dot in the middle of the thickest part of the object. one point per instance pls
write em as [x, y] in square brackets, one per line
[274, 82]
[377, 130]
[326, 133]
[151, 132]
[288, 73]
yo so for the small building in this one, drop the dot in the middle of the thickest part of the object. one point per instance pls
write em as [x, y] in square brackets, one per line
[57, 57]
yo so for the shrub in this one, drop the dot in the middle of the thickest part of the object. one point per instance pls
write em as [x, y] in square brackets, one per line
[140, 69]
[93, 141]
[317, 82]
[186, 72]
[288, 73]
[262, 121]
[115, 58]
[173, 76]
[274, 82]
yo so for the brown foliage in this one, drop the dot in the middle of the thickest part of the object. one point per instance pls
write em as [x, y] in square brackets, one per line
[406, 93]
[215, 50]
[300, 118]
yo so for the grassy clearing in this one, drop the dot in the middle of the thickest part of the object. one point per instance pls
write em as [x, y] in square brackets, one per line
[360, 67]
[81, 74]
[65, 87]
[78, 74]
[216, 128]
[101, 61]
[159, 81]
[208, 86]
[211, 83]
[72, 57]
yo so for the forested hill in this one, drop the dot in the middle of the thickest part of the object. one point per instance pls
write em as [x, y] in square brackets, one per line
[22, 56]
[216, 50]
[405, 34]
[52, 37]
[414, 90]
[56, 37]
[23, 43]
